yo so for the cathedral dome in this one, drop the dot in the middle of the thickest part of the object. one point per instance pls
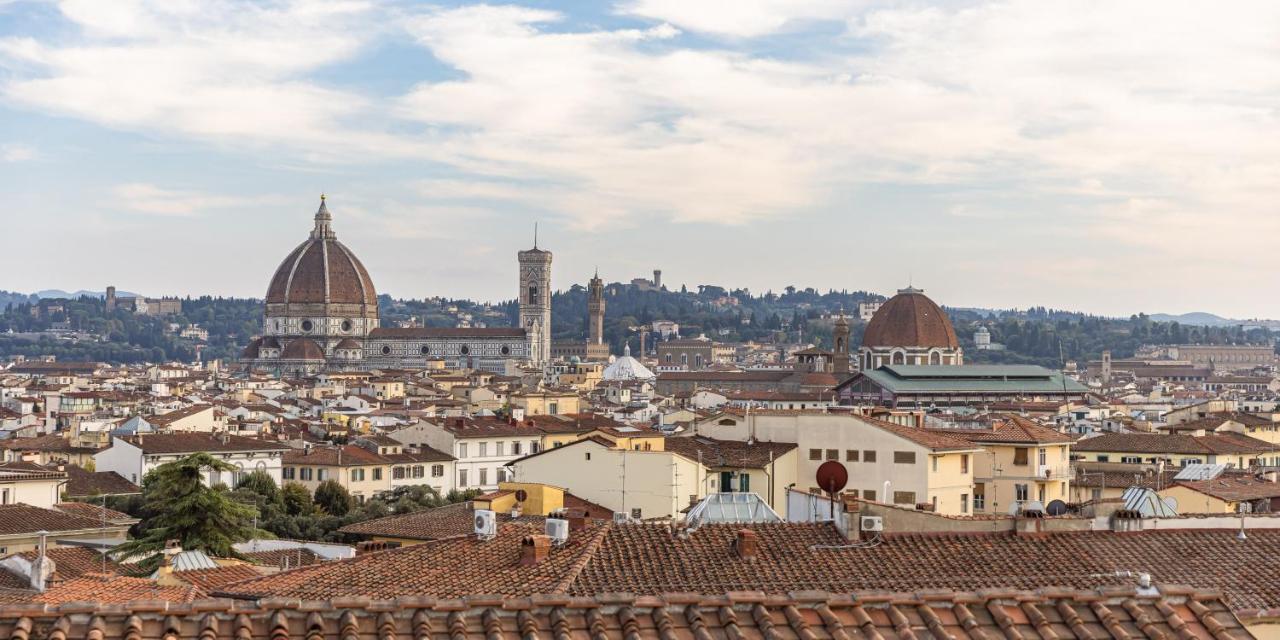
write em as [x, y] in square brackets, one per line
[321, 270]
[910, 319]
[303, 349]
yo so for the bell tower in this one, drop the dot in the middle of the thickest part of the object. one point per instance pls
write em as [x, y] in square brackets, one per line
[840, 362]
[535, 301]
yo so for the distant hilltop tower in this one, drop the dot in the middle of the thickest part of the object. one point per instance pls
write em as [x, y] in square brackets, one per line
[111, 299]
[657, 279]
[535, 301]
[595, 310]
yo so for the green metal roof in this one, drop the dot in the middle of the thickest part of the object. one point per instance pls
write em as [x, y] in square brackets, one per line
[999, 379]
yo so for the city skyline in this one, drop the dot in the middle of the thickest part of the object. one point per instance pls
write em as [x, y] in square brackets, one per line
[1100, 158]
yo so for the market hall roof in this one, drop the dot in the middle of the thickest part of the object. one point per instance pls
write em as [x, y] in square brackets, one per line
[970, 378]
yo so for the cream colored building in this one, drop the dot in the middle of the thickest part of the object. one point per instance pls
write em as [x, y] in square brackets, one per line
[1021, 461]
[920, 466]
[362, 473]
[661, 482]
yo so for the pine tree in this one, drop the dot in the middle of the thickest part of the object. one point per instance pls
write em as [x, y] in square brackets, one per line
[178, 505]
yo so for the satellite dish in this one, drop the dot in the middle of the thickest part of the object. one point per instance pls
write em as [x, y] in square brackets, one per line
[521, 495]
[1057, 508]
[832, 476]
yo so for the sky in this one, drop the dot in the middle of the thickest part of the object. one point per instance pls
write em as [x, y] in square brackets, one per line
[1103, 156]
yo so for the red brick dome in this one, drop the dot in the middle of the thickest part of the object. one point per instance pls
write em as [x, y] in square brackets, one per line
[910, 319]
[303, 349]
[321, 270]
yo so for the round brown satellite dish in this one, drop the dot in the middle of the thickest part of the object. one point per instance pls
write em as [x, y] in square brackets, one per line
[521, 495]
[832, 476]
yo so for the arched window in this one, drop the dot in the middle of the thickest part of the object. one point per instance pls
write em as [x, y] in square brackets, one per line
[898, 358]
[935, 358]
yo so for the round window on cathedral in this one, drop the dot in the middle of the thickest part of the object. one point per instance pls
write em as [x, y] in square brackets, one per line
[506, 350]
[386, 350]
[425, 349]
[465, 350]
[306, 326]
[346, 326]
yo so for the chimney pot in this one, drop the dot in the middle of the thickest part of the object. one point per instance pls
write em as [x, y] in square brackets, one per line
[746, 544]
[534, 550]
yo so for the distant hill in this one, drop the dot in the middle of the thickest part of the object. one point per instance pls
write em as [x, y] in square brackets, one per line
[1196, 318]
[59, 293]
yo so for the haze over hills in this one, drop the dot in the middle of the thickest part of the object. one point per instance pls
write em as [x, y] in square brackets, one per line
[1194, 318]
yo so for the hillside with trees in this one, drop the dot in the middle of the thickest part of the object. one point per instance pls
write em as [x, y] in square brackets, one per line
[1033, 336]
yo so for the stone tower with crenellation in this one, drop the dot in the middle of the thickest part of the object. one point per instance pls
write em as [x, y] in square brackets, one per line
[595, 310]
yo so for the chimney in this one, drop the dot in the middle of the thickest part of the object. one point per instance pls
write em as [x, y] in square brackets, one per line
[534, 550]
[746, 545]
[42, 566]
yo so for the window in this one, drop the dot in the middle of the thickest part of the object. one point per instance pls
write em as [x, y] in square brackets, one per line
[498, 447]
[934, 461]
[322, 475]
[417, 471]
[869, 494]
[425, 350]
[869, 455]
[904, 457]
[437, 471]
[515, 448]
[588, 455]
[833, 454]
[964, 463]
[979, 497]
[1043, 457]
[533, 446]
[964, 503]
[464, 350]
[1020, 492]
[533, 295]
[904, 497]
[744, 482]
[815, 454]
[287, 473]
[1131, 459]
[506, 350]
[304, 473]
[386, 350]
[462, 449]
[1020, 456]
[553, 408]
[307, 326]
[1095, 494]
[462, 477]
[1106, 458]
[851, 455]
[397, 473]
[4, 496]
[484, 449]
[357, 475]
[377, 473]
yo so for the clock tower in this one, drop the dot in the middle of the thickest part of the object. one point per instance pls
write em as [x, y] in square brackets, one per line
[535, 301]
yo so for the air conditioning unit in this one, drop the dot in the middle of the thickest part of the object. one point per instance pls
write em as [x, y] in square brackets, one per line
[558, 530]
[486, 523]
[872, 523]
[621, 517]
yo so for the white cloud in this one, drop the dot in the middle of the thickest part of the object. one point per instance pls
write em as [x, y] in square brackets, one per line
[149, 199]
[1084, 109]
[220, 70]
[15, 152]
[742, 18]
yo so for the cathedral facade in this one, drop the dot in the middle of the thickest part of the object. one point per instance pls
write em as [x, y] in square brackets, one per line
[321, 314]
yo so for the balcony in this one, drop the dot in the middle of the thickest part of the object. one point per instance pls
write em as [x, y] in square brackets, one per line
[1055, 471]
